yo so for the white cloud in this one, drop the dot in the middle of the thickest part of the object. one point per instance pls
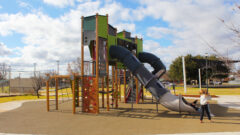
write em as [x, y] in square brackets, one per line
[24, 4]
[192, 24]
[46, 39]
[131, 27]
[59, 3]
[49, 39]
[4, 50]
[159, 32]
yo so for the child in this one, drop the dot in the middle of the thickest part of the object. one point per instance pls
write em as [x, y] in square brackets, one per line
[204, 97]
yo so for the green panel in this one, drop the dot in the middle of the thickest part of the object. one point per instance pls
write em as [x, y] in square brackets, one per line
[120, 34]
[125, 39]
[111, 41]
[139, 46]
[89, 23]
[102, 26]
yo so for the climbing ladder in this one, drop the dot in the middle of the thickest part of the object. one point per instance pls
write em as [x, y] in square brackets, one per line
[131, 92]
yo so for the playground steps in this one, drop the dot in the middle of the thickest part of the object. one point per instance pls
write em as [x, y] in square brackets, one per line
[131, 93]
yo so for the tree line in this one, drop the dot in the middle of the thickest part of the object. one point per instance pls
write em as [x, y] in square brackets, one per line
[215, 68]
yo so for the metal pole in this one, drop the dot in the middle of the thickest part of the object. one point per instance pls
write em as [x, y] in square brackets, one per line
[34, 72]
[9, 76]
[200, 83]
[19, 77]
[184, 75]
[58, 67]
[207, 71]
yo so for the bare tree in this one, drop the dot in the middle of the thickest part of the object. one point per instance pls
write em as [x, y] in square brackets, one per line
[3, 71]
[52, 81]
[234, 27]
[75, 66]
[37, 83]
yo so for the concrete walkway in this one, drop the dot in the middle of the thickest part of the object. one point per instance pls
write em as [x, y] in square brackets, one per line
[229, 101]
[8, 106]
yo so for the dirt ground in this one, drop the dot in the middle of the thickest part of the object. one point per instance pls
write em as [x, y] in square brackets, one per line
[32, 118]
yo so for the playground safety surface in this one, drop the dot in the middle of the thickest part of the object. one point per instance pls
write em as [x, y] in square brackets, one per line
[32, 118]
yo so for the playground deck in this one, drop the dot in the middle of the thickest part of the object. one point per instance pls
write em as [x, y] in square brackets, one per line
[32, 118]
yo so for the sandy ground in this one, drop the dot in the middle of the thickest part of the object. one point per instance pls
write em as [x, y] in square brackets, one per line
[32, 118]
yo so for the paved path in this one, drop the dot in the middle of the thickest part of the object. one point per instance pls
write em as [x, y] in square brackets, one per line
[229, 101]
[13, 105]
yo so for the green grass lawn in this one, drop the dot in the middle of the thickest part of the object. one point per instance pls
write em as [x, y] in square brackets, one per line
[24, 97]
[212, 91]
[4, 89]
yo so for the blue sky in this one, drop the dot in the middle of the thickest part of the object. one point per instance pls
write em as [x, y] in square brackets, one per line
[43, 31]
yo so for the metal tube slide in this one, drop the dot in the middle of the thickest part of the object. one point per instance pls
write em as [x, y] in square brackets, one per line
[154, 61]
[138, 70]
[150, 82]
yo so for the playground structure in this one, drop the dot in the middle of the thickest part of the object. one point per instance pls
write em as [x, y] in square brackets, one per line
[124, 54]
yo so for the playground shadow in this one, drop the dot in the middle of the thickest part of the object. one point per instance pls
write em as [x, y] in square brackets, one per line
[148, 110]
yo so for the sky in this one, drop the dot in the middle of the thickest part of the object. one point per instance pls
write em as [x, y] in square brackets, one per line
[45, 31]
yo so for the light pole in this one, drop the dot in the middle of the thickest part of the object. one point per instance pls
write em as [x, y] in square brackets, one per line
[57, 67]
[34, 72]
[206, 56]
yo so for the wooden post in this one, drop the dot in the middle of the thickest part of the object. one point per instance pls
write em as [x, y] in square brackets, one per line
[47, 91]
[97, 64]
[82, 62]
[107, 68]
[113, 84]
[119, 84]
[136, 81]
[77, 81]
[142, 93]
[73, 95]
[56, 92]
[116, 86]
[124, 81]
[102, 92]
